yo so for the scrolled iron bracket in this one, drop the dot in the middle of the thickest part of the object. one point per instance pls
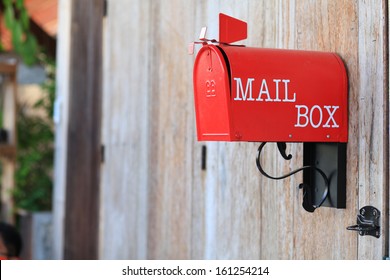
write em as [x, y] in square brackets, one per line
[307, 203]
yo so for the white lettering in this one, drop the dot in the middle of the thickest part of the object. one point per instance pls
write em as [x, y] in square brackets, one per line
[331, 114]
[264, 90]
[311, 116]
[304, 117]
[301, 115]
[276, 81]
[248, 88]
[286, 92]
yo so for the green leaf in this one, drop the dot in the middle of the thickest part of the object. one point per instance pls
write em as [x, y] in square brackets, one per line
[30, 50]
[19, 4]
[17, 32]
[9, 17]
[7, 2]
[24, 19]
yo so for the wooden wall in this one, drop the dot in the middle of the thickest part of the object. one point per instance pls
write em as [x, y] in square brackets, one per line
[156, 202]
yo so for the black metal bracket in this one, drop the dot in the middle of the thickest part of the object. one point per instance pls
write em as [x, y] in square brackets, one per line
[331, 158]
[324, 170]
[368, 222]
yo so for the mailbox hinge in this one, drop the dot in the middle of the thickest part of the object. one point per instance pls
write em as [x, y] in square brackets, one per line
[368, 222]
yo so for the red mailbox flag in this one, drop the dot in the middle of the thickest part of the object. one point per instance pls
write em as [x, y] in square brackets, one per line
[231, 29]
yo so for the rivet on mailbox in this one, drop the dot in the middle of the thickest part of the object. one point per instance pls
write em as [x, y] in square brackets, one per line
[276, 95]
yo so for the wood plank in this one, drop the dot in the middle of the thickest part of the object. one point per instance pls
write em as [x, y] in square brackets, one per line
[320, 25]
[273, 27]
[7, 187]
[205, 182]
[84, 142]
[61, 117]
[6, 68]
[125, 131]
[373, 123]
[171, 132]
[238, 196]
[387, 124]
[7, 151]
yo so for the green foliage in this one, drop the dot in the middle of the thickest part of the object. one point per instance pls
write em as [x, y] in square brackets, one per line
[33, 176]
[18, 22]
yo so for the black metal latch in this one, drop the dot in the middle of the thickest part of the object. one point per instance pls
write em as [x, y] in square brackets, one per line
[367, 222]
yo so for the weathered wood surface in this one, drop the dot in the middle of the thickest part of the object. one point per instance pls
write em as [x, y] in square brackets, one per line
[373, 126]
[156, 202]
[125, 132]
[83, 132]
[61, 117]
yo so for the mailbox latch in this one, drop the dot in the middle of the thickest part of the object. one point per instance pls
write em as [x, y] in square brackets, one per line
[367, 222]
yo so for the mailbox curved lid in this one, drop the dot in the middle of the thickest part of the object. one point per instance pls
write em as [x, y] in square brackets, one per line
[271, 95]
[287, 95]
[212, 95]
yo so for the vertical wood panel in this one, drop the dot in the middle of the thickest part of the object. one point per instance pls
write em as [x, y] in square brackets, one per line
[274, 28]
[83, 161]
[205, 188]
[330, 26]
[229, 206]
[125, 172]
[373, 123]
[171, 159]
[61, 125]
[387, 85]
[238, 208]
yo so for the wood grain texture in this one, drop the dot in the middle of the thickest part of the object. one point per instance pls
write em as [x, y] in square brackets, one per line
[373, 112]
[330, 26]
[275, 29]
[125, 131]
[61, 124]
[83, 149]
[172, 132]
[156, 199]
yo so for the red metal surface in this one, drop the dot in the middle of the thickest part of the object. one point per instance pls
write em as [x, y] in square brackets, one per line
[212, 98]
[253, 94]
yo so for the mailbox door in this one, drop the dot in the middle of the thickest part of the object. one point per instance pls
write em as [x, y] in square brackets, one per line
[212, 95]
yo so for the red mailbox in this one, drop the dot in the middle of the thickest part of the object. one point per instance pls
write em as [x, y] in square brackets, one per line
[272, 95]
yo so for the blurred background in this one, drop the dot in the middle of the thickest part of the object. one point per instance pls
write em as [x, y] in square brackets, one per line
[28, 33]
[98, 148]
